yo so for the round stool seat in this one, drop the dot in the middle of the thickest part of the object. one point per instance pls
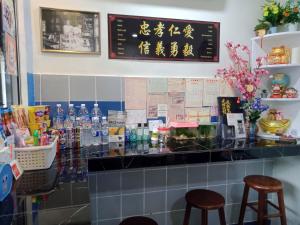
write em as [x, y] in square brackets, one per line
[205, 199]
[138, 220]
[263, 183]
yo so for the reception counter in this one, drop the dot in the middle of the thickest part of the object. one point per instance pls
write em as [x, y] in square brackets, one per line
[141, 155]
[103, 185]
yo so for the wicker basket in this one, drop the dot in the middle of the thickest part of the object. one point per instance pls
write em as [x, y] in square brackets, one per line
[36, 157]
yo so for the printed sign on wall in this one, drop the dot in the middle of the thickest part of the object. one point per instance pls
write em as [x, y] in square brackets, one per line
[136, 37]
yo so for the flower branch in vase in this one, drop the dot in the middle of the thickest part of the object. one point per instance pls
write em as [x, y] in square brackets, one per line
[247, 80]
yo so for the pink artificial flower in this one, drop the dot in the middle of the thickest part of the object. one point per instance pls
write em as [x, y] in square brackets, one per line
[239, 74]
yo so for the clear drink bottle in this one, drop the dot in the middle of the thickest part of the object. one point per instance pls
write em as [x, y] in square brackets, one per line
[85, 124]
[96, 125]
[104, 131]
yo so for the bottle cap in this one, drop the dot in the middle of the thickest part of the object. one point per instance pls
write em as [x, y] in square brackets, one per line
[58, 105]
[139, 125]
[82, 105]
[71, 105]
[145, 124]
[104, 117]
[95, 105]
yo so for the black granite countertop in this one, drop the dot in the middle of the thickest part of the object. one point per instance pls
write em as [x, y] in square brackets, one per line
[58, 195]
[137, 155]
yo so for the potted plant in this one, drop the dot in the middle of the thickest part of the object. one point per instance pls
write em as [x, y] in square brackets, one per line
[273, 14]
[291, 16]
[261, 29]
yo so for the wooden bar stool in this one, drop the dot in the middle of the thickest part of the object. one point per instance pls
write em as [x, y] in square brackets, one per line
[138, 220]
[204, 200]
[263, 185]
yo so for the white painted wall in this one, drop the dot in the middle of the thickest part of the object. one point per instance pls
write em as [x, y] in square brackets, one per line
[237, 18]
[287, 170]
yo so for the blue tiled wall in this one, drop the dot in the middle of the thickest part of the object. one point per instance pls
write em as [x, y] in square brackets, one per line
[30, 87]
[159, 192]
[54, 89]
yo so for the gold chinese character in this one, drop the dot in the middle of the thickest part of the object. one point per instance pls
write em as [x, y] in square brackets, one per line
[160, 49]
[226, 107]
[188, 50]
[144, 48]
[159, 29]
[188, 30]
[174, 49]
[174, 30]
[144, 28]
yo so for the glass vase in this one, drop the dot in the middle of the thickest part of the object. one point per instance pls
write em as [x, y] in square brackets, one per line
[252, 130]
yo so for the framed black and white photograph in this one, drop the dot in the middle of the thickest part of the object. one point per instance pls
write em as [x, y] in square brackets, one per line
[70, 31]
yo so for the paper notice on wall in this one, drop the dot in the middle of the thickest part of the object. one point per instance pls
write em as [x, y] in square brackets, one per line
[200, 115]
[176, 85]
[176, 107]
[135, 93]
[162, 110]
[154, 100]
[154, 124]
[194, 93]
[211, 92]
[136, 116]
[225, 89]
[157, 85]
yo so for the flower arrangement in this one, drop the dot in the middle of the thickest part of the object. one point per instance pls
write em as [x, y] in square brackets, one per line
[254, 109]
[272, 12]
[291, 12]
[239, 74]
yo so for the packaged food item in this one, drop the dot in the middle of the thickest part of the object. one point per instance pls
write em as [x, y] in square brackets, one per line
[116, 134]
[20, 116]
[39, 118]
[36, 114]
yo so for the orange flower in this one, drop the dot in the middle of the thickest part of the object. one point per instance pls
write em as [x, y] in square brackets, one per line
[296, 10]
[286, 14]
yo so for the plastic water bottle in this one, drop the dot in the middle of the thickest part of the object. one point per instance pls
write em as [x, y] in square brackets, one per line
[86, 125]
[96, 125]
[104, 131]
[59, 119]
[72, 114]
[59, 125]
[69, 125]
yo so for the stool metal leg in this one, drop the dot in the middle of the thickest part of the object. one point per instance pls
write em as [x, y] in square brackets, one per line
[244, 204]
[187, 214]
[261, 208]
[281, 207]
[222, 216]
[204, 216]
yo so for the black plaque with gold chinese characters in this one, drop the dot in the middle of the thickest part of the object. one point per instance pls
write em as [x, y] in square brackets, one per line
[229, 105]
[135, 37]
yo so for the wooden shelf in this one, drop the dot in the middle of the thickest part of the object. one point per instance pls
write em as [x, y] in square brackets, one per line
[280, 99]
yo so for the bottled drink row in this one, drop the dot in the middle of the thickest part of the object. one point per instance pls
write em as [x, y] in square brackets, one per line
[82, 128]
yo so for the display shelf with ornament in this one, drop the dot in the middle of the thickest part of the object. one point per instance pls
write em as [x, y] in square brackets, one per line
[277, 67]
[281, 52]
[290, 39]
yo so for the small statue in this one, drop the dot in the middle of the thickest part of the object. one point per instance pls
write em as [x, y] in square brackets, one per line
[264, 93]
[291, 93]
[276, 91]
